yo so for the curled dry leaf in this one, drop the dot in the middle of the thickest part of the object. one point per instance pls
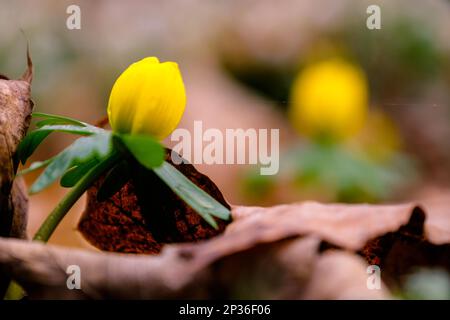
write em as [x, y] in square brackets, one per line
[144, 214]
[394, 237]
[305, 250]
[15, 114]
[290, 268]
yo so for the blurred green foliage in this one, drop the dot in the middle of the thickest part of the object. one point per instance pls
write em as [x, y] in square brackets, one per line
[399, 58]
[256, 186]
[427, 284]
[351, 176]
[340, 173]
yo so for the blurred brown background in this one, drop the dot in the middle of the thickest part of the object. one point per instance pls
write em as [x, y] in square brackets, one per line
[238, 60]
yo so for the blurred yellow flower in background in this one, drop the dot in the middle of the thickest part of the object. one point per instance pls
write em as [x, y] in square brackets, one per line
[329, 99]
[147, 98]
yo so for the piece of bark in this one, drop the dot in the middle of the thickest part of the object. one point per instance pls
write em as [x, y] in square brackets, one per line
[302, 251]
[145, 214]
[15, 114]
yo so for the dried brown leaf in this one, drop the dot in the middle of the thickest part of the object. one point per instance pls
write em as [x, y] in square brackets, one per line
[305, 251]
[15, 114]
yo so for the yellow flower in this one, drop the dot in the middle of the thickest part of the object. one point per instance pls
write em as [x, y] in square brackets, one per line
[147, 98]
[330, 99]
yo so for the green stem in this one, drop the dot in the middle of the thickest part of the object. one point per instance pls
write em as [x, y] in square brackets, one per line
[15, 292]
[55, 217]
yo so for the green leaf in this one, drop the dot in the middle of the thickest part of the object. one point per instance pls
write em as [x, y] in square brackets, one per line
[68, 128]
[49, 122]
[50, 119]
[35, 166]
[147, 151]
[35, 137]
[45, 127]
[81, 151]
[58, 166]
[74, 174]
[199, 200]
[29, 144]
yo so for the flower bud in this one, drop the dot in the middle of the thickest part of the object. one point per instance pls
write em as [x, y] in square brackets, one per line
[329, 99]
[147, 98]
